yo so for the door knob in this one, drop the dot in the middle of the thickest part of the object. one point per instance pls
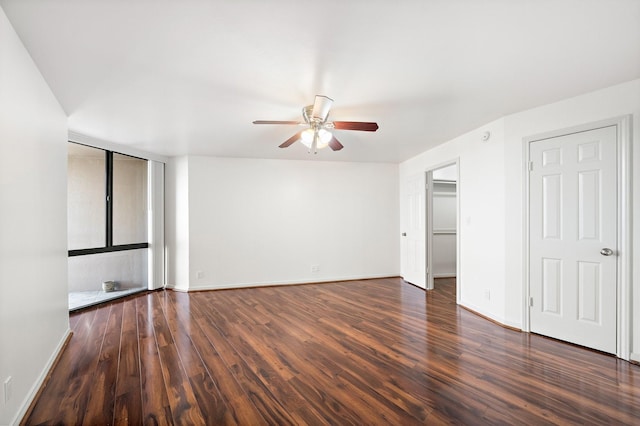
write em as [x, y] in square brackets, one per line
[606, 252]
[404, 234]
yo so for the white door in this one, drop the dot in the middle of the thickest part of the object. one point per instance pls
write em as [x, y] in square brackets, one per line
[573, 238]
[413, 238]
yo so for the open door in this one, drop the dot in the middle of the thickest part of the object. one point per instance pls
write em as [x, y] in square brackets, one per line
[413, 237]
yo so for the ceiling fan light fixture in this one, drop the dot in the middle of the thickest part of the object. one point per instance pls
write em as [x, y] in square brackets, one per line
[307, 137]
[323, 138]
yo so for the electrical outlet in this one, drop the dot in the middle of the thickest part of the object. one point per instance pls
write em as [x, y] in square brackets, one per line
[7, 389]
[315, 268]
[487, 294]
[199, 275]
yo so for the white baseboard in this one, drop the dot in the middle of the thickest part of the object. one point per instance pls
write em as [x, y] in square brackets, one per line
[176, 287]
[26, 403]
[288, 282]
[491, 316]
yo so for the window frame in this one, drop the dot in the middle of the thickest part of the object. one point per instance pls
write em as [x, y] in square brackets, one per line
[109, 247]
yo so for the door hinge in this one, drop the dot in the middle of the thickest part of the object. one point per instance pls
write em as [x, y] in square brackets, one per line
[531, 302]
[530, 166]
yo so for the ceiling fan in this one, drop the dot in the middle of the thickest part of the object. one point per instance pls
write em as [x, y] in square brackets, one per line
[318, 134]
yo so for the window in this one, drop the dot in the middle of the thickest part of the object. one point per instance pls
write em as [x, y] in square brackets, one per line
[86, 211]
[107, 201]
[129, 200]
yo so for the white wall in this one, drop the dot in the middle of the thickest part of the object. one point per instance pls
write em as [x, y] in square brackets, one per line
[491, 188]
[259, 222]
[177, 223]
[34, 317]
[446, 173]
[482, 201]
[129, 269]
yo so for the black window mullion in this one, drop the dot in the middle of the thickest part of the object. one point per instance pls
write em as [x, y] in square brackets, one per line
[109, 198]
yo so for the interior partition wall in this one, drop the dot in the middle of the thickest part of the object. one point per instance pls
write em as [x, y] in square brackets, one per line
[113, 213]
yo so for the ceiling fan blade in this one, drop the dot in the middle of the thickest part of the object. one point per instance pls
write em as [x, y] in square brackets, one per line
[276, 122]
[335, 145]
[291, 140]
[355, 125]
[321, 107]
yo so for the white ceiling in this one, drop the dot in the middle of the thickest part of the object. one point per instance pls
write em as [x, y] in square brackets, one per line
[188, 77]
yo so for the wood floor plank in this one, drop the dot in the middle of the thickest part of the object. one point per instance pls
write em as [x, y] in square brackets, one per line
[128, 404]
[241, 409]
[101, 401]
[244, 367]
[210, 401]
[350, 353]
[156, 409]
[184, 406]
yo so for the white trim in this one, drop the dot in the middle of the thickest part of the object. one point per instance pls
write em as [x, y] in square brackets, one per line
[458, 234]
[623, 125]
[112, 146]
[33, 392]
[156, 255]
[479, 310]
[428, 228]
[634, 357]
[625, 220]
[287, 282]
[176, 287]
[180, 289]
[526, 326]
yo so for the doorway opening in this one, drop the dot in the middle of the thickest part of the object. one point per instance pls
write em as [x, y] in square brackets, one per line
[442, 226]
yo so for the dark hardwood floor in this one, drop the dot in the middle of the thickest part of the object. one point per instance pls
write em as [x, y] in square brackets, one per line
[361, 352]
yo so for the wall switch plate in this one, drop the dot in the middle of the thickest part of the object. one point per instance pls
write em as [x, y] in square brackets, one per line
[315, 268]
[7, 389]
[487, 294]
[199, 275]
